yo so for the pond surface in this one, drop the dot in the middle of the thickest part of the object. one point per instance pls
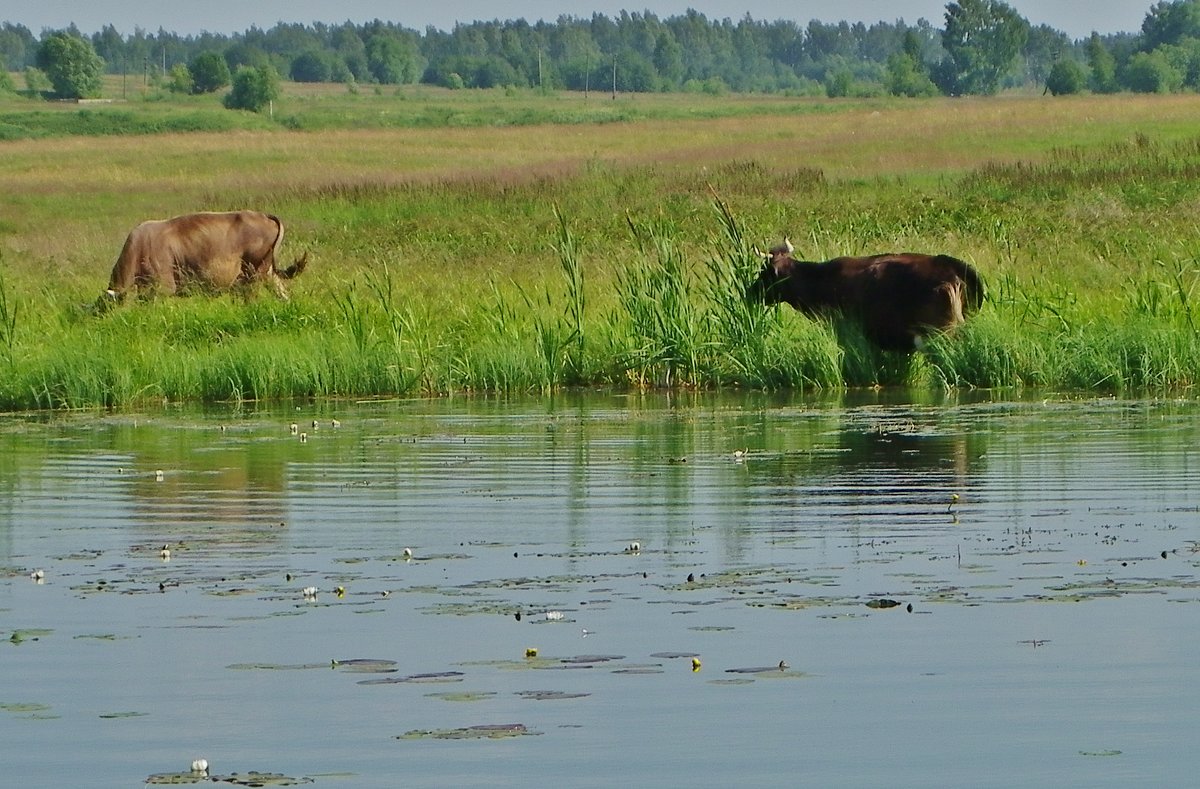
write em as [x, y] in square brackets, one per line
[963, 591]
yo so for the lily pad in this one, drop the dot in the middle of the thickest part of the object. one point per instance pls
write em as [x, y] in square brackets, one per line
[550, 695]
[464, 695]
[432, 677]
[490, 731]
[113, 715]
[365, 666]
[882, 602]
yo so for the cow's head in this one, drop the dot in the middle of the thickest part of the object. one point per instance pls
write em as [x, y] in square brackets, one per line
[777, 267]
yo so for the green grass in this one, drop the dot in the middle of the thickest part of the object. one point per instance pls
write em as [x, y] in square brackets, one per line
[613, 255]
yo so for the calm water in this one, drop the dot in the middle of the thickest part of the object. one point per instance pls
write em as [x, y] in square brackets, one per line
[1052, 637]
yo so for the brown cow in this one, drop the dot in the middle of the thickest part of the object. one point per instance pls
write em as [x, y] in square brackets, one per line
[899, 298]
[212, 250]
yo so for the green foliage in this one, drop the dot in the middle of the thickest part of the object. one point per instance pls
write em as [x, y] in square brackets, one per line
[209, 72]
[179, 79]
[1152, 72]
[982, 39]
[1170, 21]
[907, 77]
[1103, 78]
[253, 89]
[392, 59]
[311, 66]
[1065, 78]
[6, 83]
[71, 64]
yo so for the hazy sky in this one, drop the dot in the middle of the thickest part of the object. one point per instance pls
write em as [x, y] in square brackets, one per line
[1078, 18]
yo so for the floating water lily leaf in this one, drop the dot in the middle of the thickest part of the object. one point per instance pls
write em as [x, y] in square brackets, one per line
[549, 695]
[23, 708]
[463, 695]
[112, 715]
[491, 731]
[177, 779]
[275, 666]
[758, 670]
[592, 658]
[1109, 752]
[433, 677]
[674, 655]
[32, 634]
[253, 778]
[882, 602]
[366, 666]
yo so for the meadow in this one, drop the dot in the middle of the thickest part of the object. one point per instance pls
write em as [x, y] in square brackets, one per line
[516, 241]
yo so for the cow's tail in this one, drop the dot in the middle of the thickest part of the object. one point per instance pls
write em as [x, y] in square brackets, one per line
[295, 269]
[297, 266]
[973, 292]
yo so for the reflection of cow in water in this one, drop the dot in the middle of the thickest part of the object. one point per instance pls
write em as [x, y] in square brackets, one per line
[899, 298]
[213, 250]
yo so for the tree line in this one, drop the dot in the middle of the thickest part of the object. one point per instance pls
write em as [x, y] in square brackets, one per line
[984, 47]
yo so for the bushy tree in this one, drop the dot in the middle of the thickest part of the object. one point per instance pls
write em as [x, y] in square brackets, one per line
[209, 71]
[179, 79]
[982, 39]
[253, 89]
[1168, 22]
[1150, 72]
[1066, 77]
[906, 73]
[71, 64]
[1103, 65]
[311, 66]
[6, 83]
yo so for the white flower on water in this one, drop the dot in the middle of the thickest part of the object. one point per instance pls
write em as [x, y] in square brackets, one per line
[165, 553]
[38, 575]
[554, 616]
[158, 475]
[200, 765]
[309, 592]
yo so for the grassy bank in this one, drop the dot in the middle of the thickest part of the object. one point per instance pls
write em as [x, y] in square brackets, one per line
[531, 257]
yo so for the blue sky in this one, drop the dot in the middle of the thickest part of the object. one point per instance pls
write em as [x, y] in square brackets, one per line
[1078, 18]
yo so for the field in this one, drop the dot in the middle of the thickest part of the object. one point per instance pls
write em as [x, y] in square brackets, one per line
[499, 242]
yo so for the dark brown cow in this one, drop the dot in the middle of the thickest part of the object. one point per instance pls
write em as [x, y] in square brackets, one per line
[899, 298]
[209, 250]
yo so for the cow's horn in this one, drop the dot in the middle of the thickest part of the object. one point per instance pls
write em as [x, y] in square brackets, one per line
[787, 244]
[761, 254]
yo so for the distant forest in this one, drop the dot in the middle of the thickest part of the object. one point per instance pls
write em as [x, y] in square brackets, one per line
[985, 46]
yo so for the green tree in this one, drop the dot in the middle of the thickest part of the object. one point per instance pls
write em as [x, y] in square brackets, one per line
[1167, 23]
[982, 39]
[1066, 76]
[311, 66]
[6, 83]
[1103, 65]
[906, 74]
[210, 72]
[391, 60]
[1151, 72]
[179, 79]
[253, 89]
[71, 64]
